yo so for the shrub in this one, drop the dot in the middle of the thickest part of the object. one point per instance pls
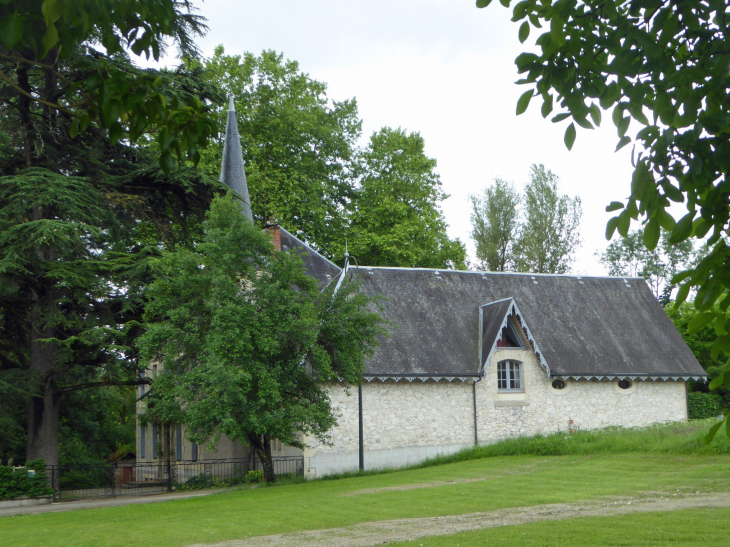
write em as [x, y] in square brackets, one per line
[254, 476]
[15, 483]
[703, 405]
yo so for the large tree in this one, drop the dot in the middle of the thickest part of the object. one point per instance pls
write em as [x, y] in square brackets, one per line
[495, 224]
[396, 218]
[80, 209]
[550, 234]
[297, 143]
[246, 340]
[667, 58]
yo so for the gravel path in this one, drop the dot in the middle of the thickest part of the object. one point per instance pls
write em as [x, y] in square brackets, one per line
[380, 532]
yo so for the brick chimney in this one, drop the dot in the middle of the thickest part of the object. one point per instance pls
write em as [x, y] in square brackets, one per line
[275, 232]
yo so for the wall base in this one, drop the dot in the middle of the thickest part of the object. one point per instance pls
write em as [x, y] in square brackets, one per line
[327, 463]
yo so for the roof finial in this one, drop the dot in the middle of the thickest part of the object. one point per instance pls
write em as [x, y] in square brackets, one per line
[233, 172]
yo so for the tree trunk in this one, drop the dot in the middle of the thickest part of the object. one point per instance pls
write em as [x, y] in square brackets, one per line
[262, 446]
[43, 406]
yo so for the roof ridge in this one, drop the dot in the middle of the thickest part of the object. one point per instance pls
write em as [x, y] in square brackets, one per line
[477, 272]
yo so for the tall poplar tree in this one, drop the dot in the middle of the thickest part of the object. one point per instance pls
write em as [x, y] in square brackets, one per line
[495, 225]
[396, 218]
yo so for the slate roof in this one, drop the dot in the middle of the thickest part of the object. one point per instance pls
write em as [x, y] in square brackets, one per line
[319, 267]
[233, 171]
[584, 326]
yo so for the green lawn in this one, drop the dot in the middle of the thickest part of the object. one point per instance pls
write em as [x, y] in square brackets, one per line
[667, 461]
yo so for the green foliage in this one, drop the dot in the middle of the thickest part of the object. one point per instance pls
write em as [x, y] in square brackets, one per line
[668, 61]
[544, 240]
[396, 219]
[550, 234]
[297, 143]
[254, 476]
[17, 483]
[629, 257]
[247, 341]
[700, 341]
[45, 37]
[495, 224]
[703, 405]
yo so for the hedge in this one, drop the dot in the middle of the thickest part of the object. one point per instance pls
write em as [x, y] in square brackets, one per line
[703, 405]
[15, 483]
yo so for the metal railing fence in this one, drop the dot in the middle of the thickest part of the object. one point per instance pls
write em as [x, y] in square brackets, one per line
[111, 480]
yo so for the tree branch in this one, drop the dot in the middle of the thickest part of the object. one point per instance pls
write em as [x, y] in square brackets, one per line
[77, 387]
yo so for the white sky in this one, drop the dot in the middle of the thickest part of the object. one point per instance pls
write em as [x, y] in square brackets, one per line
[443, 68]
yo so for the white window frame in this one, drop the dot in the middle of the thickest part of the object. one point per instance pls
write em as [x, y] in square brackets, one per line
[509, 376]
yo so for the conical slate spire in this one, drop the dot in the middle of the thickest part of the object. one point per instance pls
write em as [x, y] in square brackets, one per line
[233, 173]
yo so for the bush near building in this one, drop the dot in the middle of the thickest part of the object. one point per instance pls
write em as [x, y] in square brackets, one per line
[24, 482]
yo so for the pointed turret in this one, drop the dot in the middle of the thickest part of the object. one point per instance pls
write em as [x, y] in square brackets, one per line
[233, 173]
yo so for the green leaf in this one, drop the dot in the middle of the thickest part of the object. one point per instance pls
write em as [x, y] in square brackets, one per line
[699, 321]
[624, 222]
[622, 142]
[50, 38]
[11, 30]
[682, 230]
[525, 58]
[707, 439]
[483, 3]
[547, 105]
[52, 11]
[718, 381]
[721, 345]
[666, 221]
[524, 32]
[569, 136]
[611, 227]
[682, 294]
[524, 101]
[557, 30]
[74, 129]
[614, 206]
[560, 117]
[595, 114]
[505, 3]
[651, 234]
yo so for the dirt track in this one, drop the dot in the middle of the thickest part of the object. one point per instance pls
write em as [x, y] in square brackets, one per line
[386, 531]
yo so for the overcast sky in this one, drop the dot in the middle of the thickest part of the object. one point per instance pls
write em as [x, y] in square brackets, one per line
[445, 69]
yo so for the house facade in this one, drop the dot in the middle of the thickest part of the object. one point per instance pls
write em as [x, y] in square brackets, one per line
[476, 357]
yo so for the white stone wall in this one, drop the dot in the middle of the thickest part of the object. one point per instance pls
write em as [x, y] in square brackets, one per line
[589, 404]
[403, 422]
[407, 422]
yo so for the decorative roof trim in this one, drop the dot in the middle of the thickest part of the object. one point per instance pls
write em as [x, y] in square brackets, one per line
[410, 378]
[513, 310]
[642, 377]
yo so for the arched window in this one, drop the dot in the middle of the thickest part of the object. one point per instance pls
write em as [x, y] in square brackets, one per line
[509, 376]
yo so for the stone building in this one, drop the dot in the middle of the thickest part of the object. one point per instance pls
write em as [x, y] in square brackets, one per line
[477, 357]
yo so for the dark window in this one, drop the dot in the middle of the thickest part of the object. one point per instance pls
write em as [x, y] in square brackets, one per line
[558, 384]
[509, 377]
[194, 452]
[142, 441]
[624, 384]
[178, 442]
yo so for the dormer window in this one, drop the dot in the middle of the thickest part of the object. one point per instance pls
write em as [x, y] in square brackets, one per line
[509, 376]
